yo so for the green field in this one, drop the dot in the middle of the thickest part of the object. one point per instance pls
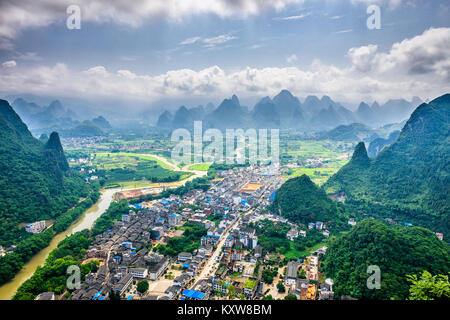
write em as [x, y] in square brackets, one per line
[200, 166]
[123, 159]
[318, 175]
[133, 170]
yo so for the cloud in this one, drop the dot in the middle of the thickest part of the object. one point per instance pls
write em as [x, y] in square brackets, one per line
[190, 41]
[428, 53]
[417, 66]
[17, 15]
[211, 42]
[9, 64]
[291, 59]
[344, 31]
[362, 57]
[299, 17]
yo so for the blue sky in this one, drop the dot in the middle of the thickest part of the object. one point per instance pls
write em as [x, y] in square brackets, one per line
[152, 45]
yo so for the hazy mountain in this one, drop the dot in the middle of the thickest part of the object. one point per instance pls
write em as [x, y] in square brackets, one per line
[85, 129]
[165, 120]
[351, 132]
[366, 115]
[265, 114]
[287, 106]
[102, 123]
[38, 117]
[229, 114]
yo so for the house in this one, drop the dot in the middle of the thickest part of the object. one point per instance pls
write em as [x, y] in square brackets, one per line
[351, 222]
[326, 233]
[319, 225]
[172, 291]
[439, 235]
[205, 250]
[302, 233]
[311, 225]
[291, 273]
[181, 280]
[183, 256]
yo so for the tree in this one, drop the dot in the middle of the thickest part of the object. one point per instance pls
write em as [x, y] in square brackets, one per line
[269, 297]
[429, 287]
[142, 286]
[113, 295]
[290, 297]
[281, 288]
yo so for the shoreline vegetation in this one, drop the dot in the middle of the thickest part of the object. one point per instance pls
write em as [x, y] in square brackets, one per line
[12, 263]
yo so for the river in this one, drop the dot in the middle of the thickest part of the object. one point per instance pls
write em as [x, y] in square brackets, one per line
[86, 221]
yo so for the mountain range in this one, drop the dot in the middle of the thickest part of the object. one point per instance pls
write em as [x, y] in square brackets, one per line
[56, 117]
[286, 111]
[407, 180]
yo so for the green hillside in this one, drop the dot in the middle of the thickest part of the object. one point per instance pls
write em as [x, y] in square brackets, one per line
[300, 200]
[35, 183]
[397, 251]
[408, 180]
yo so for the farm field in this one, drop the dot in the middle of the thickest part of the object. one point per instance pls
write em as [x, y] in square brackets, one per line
[200, 166]
[133, 170]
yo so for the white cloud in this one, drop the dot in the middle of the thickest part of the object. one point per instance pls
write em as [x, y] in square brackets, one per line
[16, 15]
[9, 64]
[417, 66]
[344, 31]
[428, 53]
[291, 59]
[211, 42]
[301, 16]
[190, 41]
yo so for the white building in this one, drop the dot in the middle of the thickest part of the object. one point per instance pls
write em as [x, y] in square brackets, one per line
[35, 227]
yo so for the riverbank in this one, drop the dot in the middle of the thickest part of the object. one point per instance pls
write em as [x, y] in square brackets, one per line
[85, 221]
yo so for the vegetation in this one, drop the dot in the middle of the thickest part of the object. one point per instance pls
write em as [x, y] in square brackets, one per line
[52, 276]
[35, 182]
[429, 287]
[408, 180]
[186, 243]
[142, 286]
[300, 200]
[397, 251]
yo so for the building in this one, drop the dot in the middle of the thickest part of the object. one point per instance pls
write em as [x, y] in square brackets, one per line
[35, 227]
[184, 256]
[138, 272]
[46, 296]
[124, 283]
[291, 273]
[157, 269]
[174, 219]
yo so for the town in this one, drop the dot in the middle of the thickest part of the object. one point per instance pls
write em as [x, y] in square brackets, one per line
[228, 263]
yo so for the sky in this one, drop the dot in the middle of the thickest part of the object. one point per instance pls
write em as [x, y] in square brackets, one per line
[149, 52]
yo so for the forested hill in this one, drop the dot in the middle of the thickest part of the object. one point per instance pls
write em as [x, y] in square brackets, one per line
[397, 251]
[35, 181]
[408, 180]
[300, 200]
